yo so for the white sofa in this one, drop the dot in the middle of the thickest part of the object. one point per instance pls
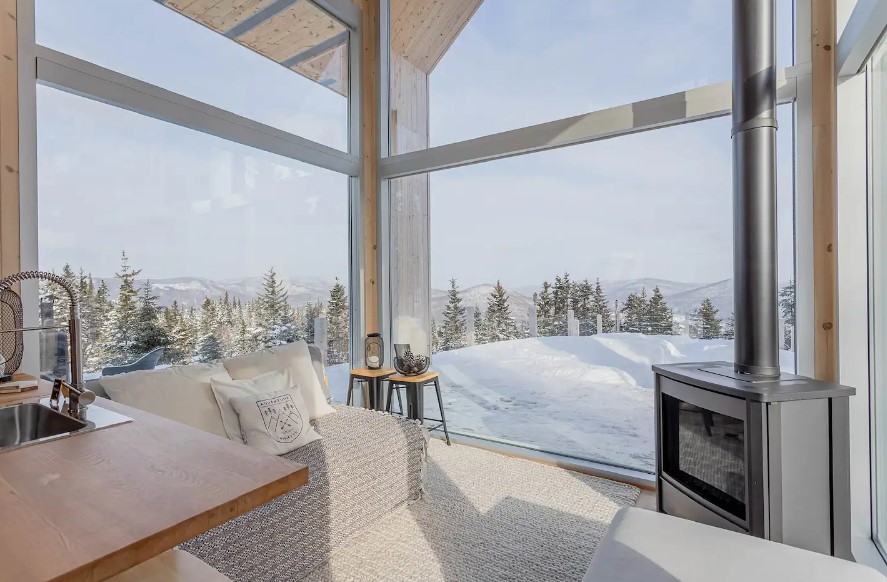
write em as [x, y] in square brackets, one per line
[643, 545]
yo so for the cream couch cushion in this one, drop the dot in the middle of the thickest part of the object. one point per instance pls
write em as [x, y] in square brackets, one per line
[226, 390]
[294, 357]
[274, 422]
[180, 393]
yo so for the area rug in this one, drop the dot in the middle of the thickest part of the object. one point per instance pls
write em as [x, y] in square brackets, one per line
[486, 518]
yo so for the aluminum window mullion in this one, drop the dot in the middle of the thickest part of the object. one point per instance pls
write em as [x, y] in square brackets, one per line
[693, 105]
[86, 79]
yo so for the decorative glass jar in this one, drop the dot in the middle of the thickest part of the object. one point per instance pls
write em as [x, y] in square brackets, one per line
[374, 351]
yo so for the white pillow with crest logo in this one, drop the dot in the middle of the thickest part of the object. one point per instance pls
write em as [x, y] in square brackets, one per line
[275, 422]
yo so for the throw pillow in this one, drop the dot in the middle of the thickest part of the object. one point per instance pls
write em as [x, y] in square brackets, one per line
[297, 359]
[180, 393]
[275, 422]
[227, 390]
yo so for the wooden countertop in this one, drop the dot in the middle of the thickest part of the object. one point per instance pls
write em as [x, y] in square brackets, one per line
[91, 506]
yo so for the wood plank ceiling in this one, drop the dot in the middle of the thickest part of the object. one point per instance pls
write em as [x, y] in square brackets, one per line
[295, 33]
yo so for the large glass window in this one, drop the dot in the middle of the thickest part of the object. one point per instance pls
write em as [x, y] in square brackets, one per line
[521, 62]
[289, 71]
[559, 278]
[181, 240]
[878, 274]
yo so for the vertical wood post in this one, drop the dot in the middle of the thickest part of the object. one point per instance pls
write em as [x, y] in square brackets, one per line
[825, 256]
[370, 152]
[572, 324]
[10, 224]
[600, 323]
[533, 319]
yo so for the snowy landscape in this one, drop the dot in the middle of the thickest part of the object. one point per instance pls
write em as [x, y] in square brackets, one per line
[589, 397]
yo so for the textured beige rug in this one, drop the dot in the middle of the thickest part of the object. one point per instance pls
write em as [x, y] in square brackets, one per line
[485, 518]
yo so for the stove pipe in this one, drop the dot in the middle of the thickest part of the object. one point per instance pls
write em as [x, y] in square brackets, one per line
[754, 188]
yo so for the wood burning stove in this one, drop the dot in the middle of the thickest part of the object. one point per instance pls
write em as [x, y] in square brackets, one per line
[769, 457]
[739, 445]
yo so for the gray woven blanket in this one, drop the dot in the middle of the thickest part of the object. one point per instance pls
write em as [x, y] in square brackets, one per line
[366, 464]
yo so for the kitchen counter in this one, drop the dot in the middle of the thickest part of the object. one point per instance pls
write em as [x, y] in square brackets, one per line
[90, 506]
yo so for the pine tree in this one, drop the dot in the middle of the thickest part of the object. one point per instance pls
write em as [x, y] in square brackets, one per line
[634, 313]
[274, 324]
[149, 333]
[480, 332]
[708, 324]
[600, 306]
[545, 311]
[499, 324]
[452, 333]
[312, 312]
[337, 324]
[435, 337]
[209, 348]
[730, 328]
[787, 307]
[561, 298]
[583, 307]
[245, 342]
[660, 316]
[121, 327]
[95, 355]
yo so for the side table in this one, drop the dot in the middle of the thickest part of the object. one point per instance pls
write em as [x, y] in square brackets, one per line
[415, 387]
[373, 398]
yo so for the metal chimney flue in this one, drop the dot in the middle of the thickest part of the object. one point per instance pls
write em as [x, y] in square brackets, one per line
[754, 188]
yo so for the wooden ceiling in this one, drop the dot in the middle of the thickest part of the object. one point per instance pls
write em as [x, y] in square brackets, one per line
[302, 37]
[295, 33]
[422, 31]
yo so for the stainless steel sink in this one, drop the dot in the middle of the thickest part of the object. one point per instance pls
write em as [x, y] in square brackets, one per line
[31, 423]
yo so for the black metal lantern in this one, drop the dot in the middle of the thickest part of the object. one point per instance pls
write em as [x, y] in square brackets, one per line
[374, 351]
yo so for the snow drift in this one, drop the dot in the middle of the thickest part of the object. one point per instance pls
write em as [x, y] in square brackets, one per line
[590, 397]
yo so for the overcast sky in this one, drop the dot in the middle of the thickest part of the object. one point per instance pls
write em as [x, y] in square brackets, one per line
[183, 203]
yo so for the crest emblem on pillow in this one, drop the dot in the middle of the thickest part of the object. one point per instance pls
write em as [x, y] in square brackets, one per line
[281, 417]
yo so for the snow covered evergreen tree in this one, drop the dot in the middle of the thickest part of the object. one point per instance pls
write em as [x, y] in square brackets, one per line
[480, 332]
[149, 332]
[274, 325]
[708, 324]
[787, 308]
[499, 324]
[545, 311]
[435, 337]
[452, 332]
[311, 312]
[561, 295]
[121, 327]
[730, 328]
[94, 344]
[209, 347]
[634, 313]
[337, 324]
[583, 307]
[660, 316]
[600, 306]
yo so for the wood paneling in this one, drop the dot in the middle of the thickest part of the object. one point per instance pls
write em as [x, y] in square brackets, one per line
[91, 506]
[300, 27]
[291, 32]
[423, 30]
[370, 152]
[10, 223]
[410, 204]
[825, 256]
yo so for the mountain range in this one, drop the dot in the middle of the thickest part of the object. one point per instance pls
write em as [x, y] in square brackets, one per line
[190, 291]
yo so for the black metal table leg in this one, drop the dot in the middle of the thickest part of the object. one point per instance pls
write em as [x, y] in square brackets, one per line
[350, 391]
[443, 419]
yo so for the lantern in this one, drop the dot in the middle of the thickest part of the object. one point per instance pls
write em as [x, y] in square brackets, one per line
[374, 351]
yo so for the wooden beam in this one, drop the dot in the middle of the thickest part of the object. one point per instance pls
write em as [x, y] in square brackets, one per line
[370, 152]
[422, 31]
[825, 255]
[10, 227]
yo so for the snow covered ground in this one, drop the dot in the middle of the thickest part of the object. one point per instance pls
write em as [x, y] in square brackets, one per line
[590, 397]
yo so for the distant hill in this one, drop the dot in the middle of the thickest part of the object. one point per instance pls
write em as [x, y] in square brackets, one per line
[477, 296]
[190, 291]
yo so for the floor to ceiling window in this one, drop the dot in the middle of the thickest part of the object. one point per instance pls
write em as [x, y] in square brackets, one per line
[176, 238]
[557, 278]
[878, 274]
